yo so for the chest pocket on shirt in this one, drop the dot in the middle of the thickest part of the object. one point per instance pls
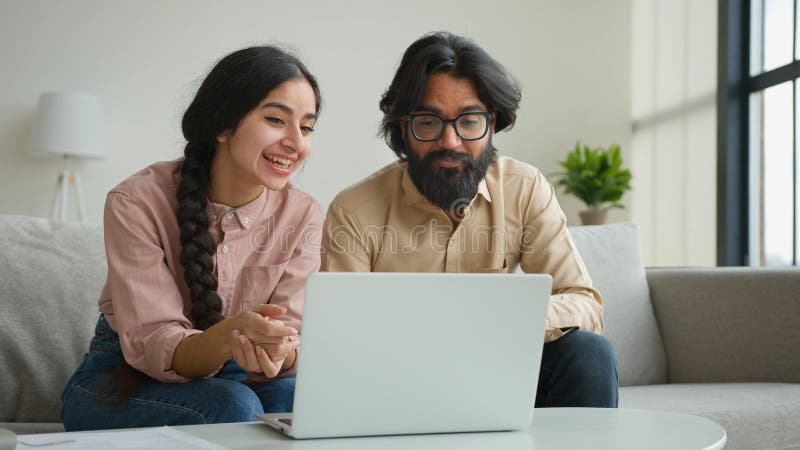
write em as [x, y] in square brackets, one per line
[504, 269]
[258, 283]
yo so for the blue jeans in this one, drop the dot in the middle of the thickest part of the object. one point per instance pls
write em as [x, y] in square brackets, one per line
[578, 370]
[91, 401]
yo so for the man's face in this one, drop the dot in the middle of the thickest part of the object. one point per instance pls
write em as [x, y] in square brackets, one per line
[448, 170]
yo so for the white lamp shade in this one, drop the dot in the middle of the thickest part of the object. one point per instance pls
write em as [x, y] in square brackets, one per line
[67, 124]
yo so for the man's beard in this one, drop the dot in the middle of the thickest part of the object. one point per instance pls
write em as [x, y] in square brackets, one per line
[450, 188]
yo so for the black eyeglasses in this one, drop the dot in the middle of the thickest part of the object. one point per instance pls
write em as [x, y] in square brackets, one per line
[469, 126]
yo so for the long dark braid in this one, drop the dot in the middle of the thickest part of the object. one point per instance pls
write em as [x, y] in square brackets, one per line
[197, 244]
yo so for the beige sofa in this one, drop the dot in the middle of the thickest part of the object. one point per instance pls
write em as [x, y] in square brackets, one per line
[721, 343]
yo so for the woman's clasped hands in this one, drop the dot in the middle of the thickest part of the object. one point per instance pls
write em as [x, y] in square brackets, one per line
[262, 345]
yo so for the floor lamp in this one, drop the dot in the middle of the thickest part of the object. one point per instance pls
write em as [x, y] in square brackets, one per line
[67, 125]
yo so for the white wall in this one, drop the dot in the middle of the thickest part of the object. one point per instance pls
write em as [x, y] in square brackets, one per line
[144, 59]
[673, 76]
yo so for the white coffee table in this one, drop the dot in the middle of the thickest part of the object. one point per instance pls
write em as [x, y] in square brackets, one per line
[553, 428]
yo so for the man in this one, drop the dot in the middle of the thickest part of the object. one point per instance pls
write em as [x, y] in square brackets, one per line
[451, 205]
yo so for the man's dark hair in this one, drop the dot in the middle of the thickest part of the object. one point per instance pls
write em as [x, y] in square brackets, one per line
[455, 55]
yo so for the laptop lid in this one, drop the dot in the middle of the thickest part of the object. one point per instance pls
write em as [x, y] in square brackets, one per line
[405, 353]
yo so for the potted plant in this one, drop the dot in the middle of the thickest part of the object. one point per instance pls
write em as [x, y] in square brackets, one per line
[597, 178]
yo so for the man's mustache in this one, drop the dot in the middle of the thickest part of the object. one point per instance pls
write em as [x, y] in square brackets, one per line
[442, 154]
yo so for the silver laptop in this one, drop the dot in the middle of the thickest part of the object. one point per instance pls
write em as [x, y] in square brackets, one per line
[412, 353]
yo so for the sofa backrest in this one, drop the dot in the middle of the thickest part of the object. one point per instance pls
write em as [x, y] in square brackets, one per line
[51, 274]
[613, 258]
[729, 324]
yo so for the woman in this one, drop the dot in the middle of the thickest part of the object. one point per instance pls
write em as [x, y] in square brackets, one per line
[208, 257]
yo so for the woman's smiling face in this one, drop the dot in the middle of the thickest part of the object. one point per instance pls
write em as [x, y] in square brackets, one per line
[273, 139]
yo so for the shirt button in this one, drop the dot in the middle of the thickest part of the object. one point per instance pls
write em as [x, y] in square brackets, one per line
[213, 217]
[246, 220]
[224, 249]
[229, 216]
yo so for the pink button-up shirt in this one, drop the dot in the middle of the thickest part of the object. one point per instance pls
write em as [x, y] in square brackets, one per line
[265, 251]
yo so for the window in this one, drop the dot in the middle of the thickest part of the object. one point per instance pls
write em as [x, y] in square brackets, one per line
[757, 112]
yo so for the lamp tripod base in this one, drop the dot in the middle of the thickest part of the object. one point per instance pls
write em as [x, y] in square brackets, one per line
[60, 207]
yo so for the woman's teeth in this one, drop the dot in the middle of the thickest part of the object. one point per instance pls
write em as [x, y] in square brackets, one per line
[280, 162]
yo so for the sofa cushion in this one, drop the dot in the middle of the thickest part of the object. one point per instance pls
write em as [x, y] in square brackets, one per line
[755, 415]
[612, 257]
[51, 274]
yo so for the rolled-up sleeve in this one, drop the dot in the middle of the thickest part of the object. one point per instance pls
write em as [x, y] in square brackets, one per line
[147, 306]
[548, 248]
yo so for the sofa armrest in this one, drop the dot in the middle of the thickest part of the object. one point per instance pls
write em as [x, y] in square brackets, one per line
[728, 324]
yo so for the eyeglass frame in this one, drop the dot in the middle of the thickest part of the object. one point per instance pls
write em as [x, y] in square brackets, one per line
[487, 114]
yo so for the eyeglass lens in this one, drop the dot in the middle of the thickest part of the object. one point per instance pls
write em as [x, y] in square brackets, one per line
[430, 126]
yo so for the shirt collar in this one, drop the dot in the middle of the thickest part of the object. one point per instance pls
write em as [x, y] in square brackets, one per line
[245, 215]
[483, 190]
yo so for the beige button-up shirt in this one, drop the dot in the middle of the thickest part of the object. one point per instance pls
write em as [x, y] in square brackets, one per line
[265, 251]
[384, 224]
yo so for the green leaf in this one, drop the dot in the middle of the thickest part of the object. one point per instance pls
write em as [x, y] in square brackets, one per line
[595, 176]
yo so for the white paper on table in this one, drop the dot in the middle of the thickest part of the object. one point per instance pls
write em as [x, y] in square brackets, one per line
[146, 438]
